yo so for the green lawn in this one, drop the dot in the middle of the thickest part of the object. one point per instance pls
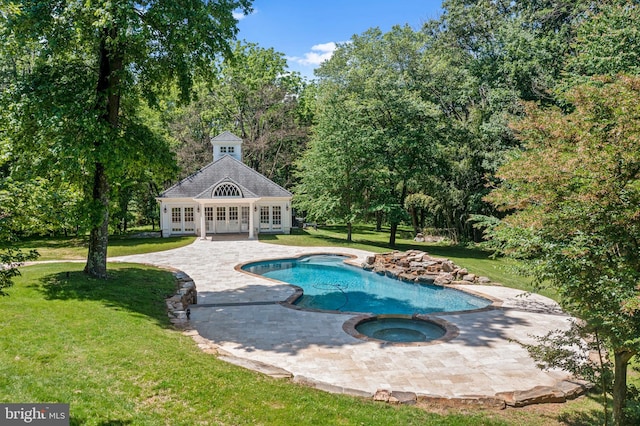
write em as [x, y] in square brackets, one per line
[75, 248]
[107, 349]
[477, 261]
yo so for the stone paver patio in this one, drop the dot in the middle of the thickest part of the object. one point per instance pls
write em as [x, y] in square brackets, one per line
[240, 314]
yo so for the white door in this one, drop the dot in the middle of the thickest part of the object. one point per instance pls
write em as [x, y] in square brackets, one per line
[227, 219]
[208, 218]
[182, 220]
[244, 220]
[221, 219]
[233, 224]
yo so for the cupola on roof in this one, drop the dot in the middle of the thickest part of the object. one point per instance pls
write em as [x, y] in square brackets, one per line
[226, 143]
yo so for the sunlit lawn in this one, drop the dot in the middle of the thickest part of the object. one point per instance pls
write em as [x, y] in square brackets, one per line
[107, 349]
[75, 248]
[477, 261]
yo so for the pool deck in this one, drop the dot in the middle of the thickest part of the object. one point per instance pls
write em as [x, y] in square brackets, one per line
[241, 315]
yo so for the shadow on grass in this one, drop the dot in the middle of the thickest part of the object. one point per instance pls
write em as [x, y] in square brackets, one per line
[586, 417]
[137, 290]
[582, 418]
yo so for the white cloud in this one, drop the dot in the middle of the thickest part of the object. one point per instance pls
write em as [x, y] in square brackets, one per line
[240, 16]
[318, 54]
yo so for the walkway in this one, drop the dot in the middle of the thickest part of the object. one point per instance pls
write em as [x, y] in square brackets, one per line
[238, 313]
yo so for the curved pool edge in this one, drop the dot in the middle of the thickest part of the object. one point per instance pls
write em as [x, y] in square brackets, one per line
[298, 292]
[451, 331]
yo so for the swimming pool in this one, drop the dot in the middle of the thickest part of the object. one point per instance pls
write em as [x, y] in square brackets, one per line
[329, 284]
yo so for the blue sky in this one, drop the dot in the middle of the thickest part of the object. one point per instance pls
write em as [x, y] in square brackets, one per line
[306, 31]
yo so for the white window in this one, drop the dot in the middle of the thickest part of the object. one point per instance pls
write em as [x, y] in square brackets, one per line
[208, 213]
[233, 213]
[208, 216]
[221, 214]
[231, 149]
[223, 150]
[264, 217]
[245, 215]
[176, 219]
[226, 190]
[189, 223]
[277, 217]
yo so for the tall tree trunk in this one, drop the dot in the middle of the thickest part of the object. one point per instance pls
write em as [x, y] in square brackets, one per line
[378, 220]
[99, 238]
[108, 104]
[621, 359]
[392, 235]
[414, 220]
[349, 232]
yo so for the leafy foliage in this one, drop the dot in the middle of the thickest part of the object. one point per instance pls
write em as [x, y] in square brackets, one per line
[254, 96]
[79, 72]
[573, 196]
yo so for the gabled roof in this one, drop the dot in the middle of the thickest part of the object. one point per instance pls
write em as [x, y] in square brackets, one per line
[226, 136]
[226, 169]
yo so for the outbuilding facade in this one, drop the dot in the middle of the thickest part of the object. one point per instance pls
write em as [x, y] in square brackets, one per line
[226, 196]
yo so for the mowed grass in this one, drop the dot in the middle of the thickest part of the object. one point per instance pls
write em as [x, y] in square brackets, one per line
[107, 349]
[76, 248]
[365, 237]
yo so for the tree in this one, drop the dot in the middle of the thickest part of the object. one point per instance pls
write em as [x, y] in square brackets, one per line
[607, 43]
[254, 96]
[333, 177]
[77, 106]
[573, 198]
[377, 76]
[10, 220]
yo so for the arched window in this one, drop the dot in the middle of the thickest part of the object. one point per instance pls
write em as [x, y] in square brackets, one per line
[227, 190]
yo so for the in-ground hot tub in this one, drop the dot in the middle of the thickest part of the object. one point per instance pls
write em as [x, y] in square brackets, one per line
[400, 329]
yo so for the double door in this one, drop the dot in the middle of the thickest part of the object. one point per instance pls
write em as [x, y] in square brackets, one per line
[227, 219]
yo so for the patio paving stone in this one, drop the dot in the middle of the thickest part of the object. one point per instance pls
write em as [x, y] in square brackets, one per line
[482, 360]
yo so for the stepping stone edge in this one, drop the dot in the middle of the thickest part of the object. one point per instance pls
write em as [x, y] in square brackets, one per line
[186, 294]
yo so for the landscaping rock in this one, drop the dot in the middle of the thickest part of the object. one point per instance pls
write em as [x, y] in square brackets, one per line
[443, 279]
[405, 398]
[382, 395]
[536, 395]
[419, 266]
[178, 304]
[469, 278]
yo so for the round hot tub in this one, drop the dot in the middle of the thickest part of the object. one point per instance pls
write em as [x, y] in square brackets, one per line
[399, 329]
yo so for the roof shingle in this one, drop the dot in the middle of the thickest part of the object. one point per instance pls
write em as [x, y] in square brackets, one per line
[226, 169]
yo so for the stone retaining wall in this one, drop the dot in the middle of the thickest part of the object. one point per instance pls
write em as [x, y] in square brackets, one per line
[178, 304]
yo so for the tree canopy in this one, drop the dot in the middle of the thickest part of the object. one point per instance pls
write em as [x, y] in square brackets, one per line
[573, 196]
[76, 74]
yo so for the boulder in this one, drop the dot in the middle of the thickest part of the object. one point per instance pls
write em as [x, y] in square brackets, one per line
[469, 278]
[536, 395]
[406, 398]
[448, 266]
[405, 276]
[427, 278]
[382, 395]
[444, 279]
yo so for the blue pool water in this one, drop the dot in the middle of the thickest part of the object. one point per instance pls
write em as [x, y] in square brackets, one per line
[330, 284]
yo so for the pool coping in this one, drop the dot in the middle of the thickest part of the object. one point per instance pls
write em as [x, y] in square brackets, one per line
[451, 331]
[560, 388]
[298, 292]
